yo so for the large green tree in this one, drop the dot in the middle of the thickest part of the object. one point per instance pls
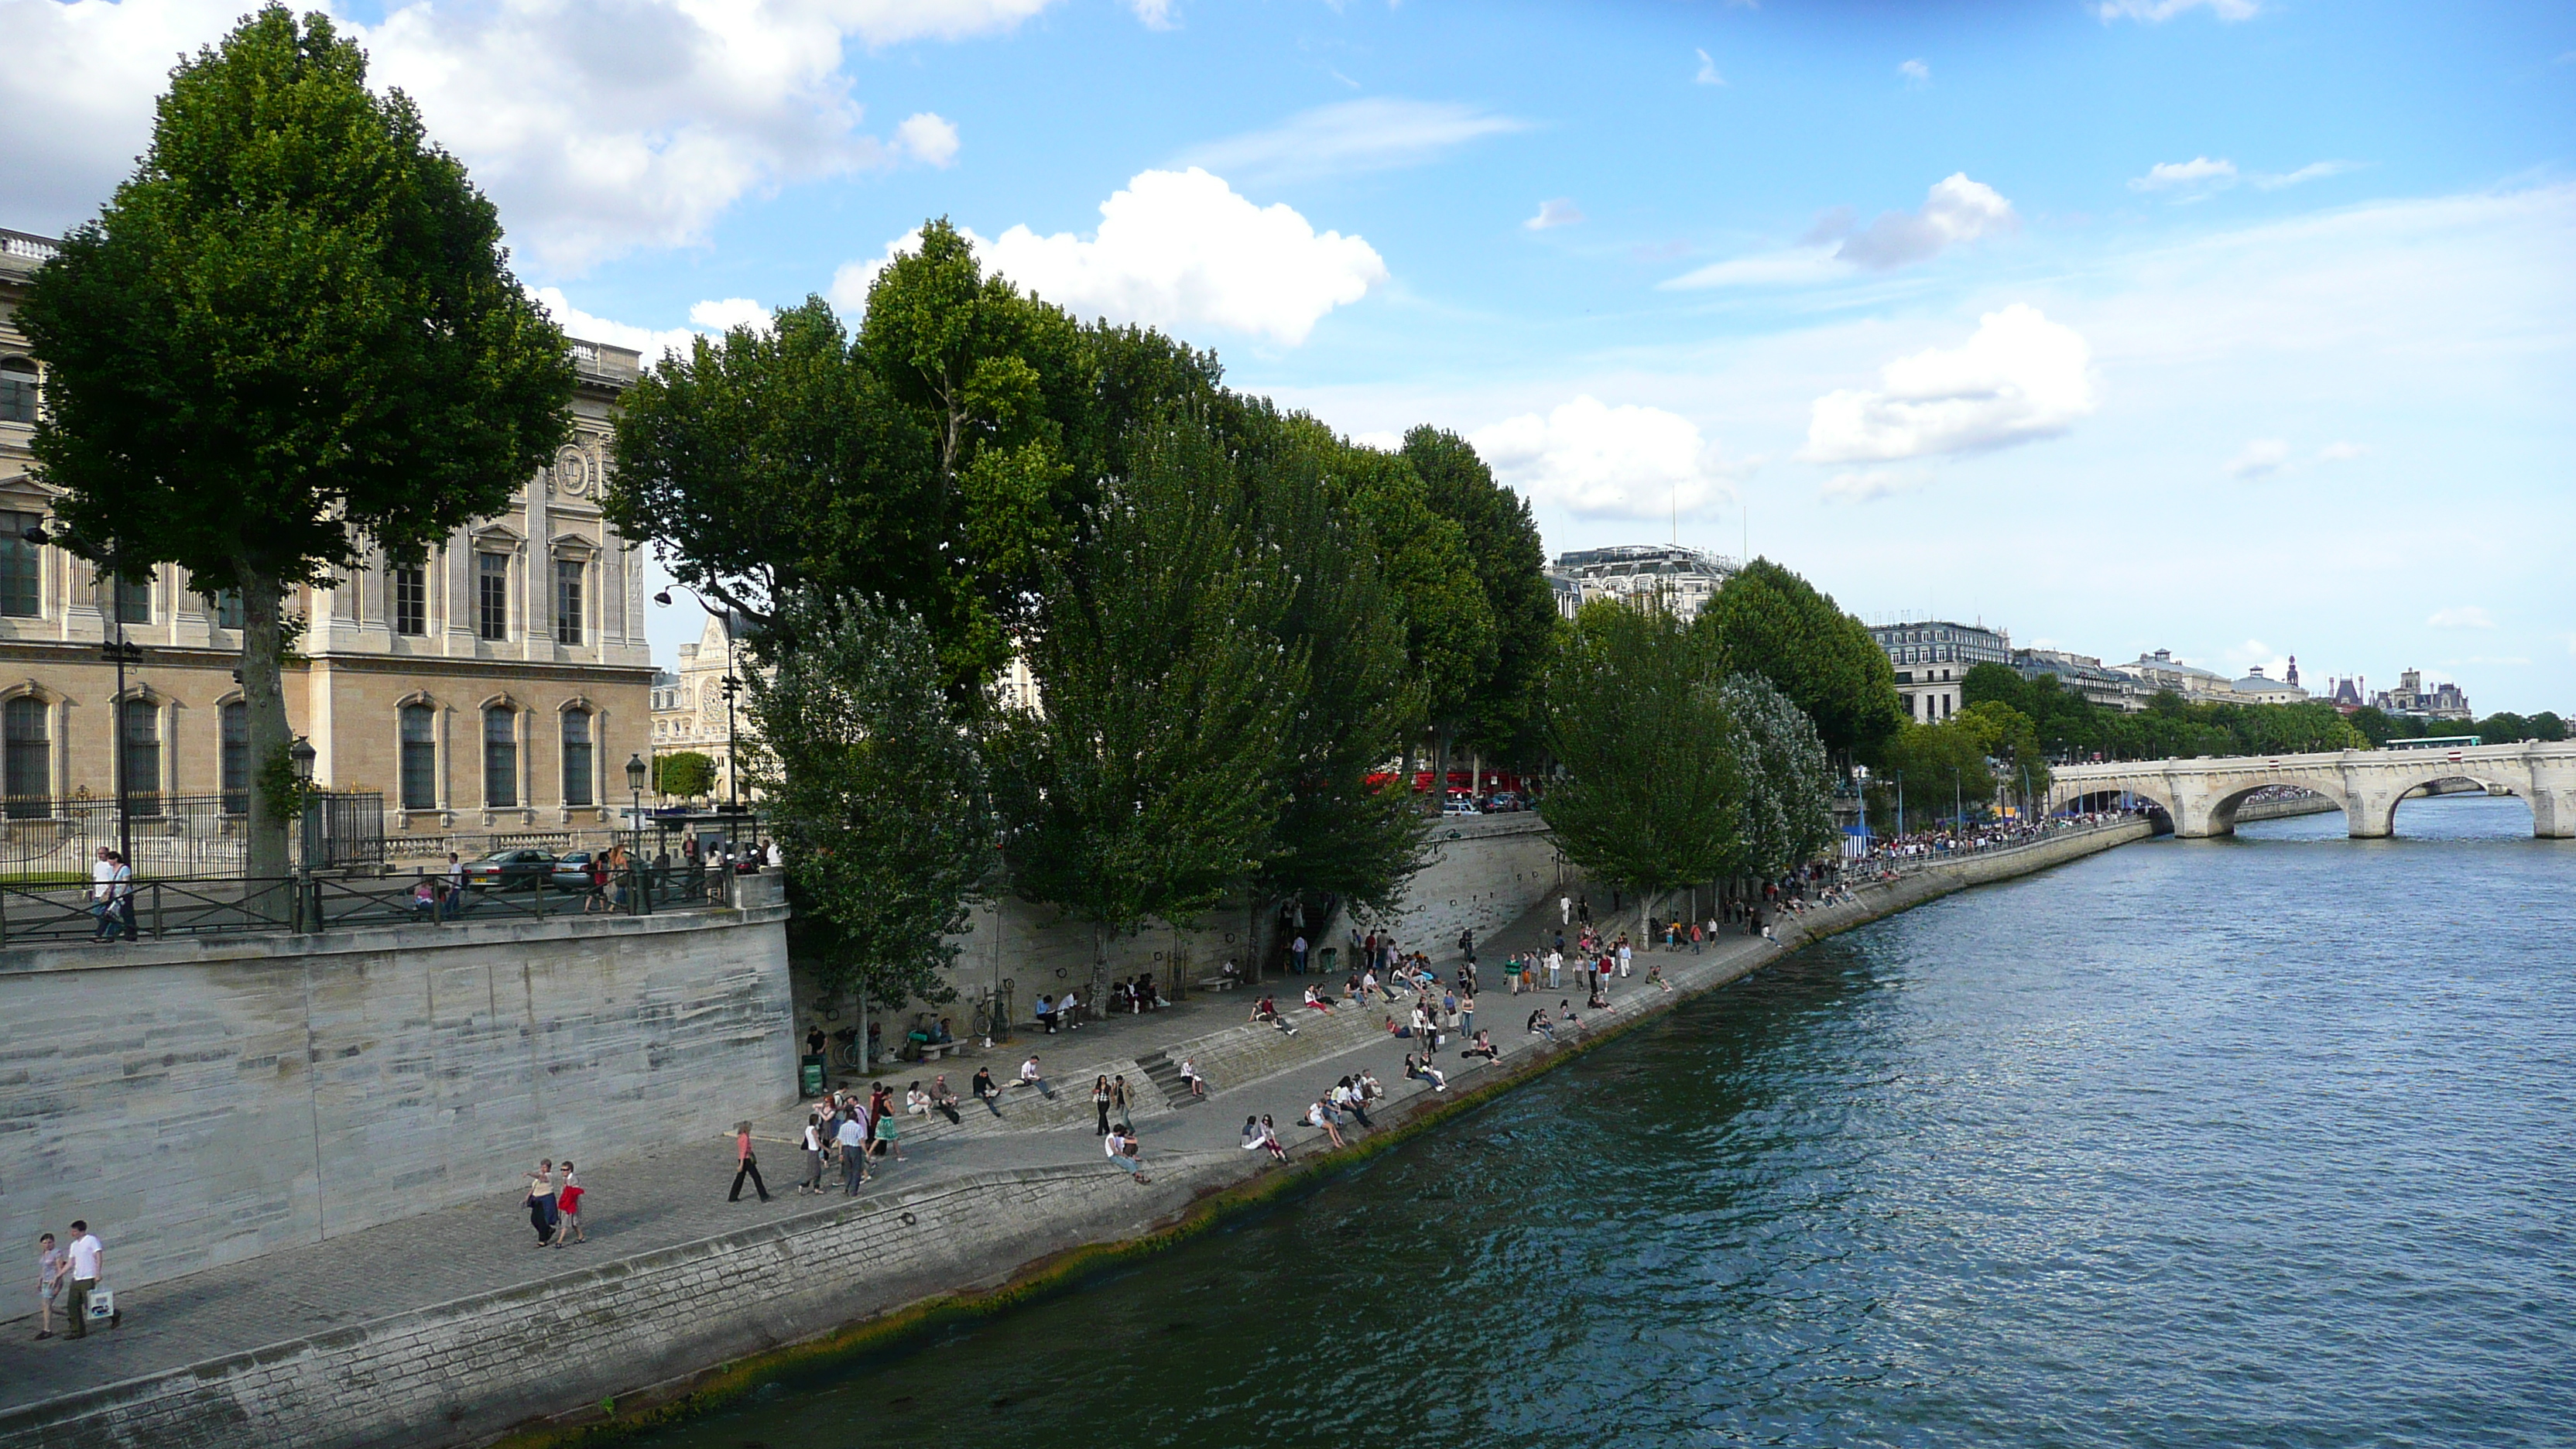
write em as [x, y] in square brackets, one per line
[1769, 621]
[1656, 783]
[877, 796]
[1497, 711]
[1788, 804]
[1150, 781]
[292, 335]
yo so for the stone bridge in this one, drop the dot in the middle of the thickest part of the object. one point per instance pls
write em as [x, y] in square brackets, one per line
[2201, 795]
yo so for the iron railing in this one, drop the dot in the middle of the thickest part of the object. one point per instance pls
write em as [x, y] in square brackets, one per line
[176, 837]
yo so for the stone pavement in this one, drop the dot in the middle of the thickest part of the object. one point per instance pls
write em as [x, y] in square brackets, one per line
[677, 1195]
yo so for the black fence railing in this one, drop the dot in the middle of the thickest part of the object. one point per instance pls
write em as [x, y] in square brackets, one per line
[176, 837]
[35, 914]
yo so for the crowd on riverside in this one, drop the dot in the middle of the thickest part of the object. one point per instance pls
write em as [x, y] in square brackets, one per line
[1894, 854]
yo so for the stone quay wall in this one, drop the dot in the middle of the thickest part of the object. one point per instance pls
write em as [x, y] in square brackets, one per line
[225, 1097]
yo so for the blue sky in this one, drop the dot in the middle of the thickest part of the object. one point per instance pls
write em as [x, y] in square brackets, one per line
[2242, 329]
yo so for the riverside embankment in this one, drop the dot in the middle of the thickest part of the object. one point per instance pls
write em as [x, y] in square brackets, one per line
[973, 1222]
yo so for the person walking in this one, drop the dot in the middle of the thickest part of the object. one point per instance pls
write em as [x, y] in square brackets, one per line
[568, 1196]
[102, 894]
[813, 1154]
[1122, 1103]
[1565, 910]
[1297, 955]
[746, 1164]
[1467, 1014]
[887, 1143]
[53, 1269]
[1100, 1105]
[541, 1201]
[84, 1259]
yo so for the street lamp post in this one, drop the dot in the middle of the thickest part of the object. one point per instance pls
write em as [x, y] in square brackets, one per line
[301, 755]
[636, 888]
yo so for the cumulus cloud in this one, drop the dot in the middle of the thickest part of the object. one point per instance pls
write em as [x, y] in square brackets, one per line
[729, 313]
[1868, 485]
[2160, 10]
[927, 138]
[2020, 377]
[1954, 211]
[1157, 14]
[2463, 616]
[2191, 180]
[1174, 249]
[1348, 137]
[1598, 461]
[2260, 458]
[1708, 75]
[598, 127]
[1916, 71]
[1560, 212]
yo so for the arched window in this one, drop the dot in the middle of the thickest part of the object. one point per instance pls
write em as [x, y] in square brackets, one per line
[500, 757]
[17, 390]
[234, 726]
[29, 758]
[139, 747]
[576, 758]
[419, 757]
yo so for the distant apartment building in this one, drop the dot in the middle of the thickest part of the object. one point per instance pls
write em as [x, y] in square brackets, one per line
[690, 713]
[1657, 575]
[2161, 673]
[500, 683]
[1932, 657]
[2083, 674]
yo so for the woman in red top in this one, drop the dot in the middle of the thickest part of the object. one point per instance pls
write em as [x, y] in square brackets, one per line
[568, 1209]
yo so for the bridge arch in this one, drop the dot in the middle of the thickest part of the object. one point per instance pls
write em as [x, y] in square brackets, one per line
[2222, 811]
[2383, 820]
[2096, 794]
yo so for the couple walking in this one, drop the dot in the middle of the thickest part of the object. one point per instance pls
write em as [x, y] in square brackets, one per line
[554, 1204]
[75, 1268]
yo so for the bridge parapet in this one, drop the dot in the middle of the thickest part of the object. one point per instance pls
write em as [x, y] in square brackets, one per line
[2201, 795]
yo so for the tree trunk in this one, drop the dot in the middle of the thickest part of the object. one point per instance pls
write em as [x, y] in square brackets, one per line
[264, 712]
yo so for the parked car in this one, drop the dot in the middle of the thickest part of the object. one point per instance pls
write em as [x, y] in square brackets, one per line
[1461, 805]
[1502, 802]
[509, 869]
[572, 871]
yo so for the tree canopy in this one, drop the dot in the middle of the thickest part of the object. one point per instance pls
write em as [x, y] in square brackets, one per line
[1770, 622]
[292, 334]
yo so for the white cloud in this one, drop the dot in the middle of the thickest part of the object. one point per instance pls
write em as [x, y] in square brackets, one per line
[1955, 210]
[1599, 461]
[2313, 171]
[2190, 180]
[2260, 458]
[1916, 71]
[598, 127]
[1175, 249]
[2020, 377]
[1346, 137]
[1868, 485]
[928, 138]
[731, 312]
[1560, 212]
[2111, 10]
[2464, 616]
[1156, 14]
[1708, 75]
[2340, 452]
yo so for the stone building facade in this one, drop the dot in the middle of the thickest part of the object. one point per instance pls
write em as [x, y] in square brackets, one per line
[689, 707]
[499, 687]
[1933, 656]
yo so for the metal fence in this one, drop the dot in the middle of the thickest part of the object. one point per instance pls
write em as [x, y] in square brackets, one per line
[175, 836]
[33, 914]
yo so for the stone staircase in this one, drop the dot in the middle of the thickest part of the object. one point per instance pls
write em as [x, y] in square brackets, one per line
[1165, 1073]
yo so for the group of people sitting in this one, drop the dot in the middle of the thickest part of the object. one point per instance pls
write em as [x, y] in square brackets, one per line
[1138, 996]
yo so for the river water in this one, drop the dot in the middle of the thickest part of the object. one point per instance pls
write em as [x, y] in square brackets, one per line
[2225, 1143]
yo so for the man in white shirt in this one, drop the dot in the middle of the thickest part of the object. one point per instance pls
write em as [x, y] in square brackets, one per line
[1555, 965]
[1122, 1154]
[102, 893]
[1565, 910]
[1064, 1012]
[86, 1254]
[853, 1140]
[1623, 960]
[1029, 1078]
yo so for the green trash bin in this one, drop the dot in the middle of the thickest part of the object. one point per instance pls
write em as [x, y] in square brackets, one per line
[1327, 958]
[809, 1076]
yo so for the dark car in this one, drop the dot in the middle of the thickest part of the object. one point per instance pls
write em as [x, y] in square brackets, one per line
[509, 869]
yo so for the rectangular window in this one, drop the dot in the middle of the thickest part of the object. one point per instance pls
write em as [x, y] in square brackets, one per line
[567, 601]
[22, 593]
[235, 726]
[492, 595]
[224, 607]
[133, 601]
[500, 758]
[419, 757]
[29, 758]
[140, 751]
[411, 600]
[576, 758]
[17, 391]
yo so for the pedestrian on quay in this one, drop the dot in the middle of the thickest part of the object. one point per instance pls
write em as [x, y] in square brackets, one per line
[84, 1260]
[1122, 1103]
[1482, 1046]
[53, 1269]
[813, 1154]
[1321, 1115]
[1270, 1142]
[1539, 1025]
[1467, 1014]
[746, 1164]
[1655, 974]
[1046, 1012]
[541, 1201]
[1564, 910]
[887, 1143]
[1555, 968]
[943, 1100]
[1623, 957]
[1100, 1104]
[851, 1137]
[1191, 1078]
[1695, 938]
[1124, 1154]
[986, 1092]
[1029, 1078]
[1424, 1071]
[568, 1196]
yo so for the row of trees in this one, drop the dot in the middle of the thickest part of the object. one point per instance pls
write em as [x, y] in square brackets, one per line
[2502, 728]
[2066, 723]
